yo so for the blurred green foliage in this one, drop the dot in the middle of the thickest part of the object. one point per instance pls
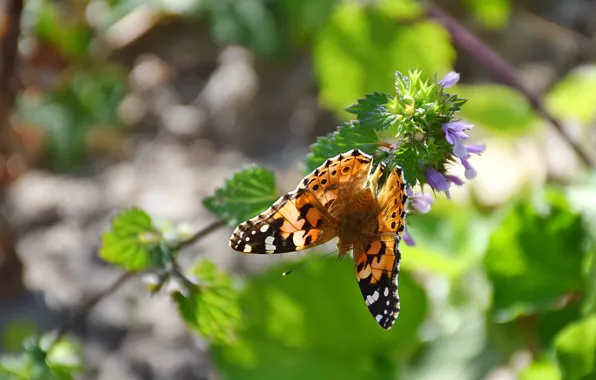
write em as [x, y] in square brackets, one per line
[43, 359]
[480, 286]
[575, 95]
[314, 324]
[492, 13]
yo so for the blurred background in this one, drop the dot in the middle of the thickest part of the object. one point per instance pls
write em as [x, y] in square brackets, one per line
[108, 104]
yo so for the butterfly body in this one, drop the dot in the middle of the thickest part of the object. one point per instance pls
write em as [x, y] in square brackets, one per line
[358, 221]
[340, 199]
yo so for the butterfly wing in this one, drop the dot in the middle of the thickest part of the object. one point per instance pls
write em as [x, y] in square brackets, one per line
[377, 260]
[294, 222]
[337, 177]
[377, 267]
[307, 216]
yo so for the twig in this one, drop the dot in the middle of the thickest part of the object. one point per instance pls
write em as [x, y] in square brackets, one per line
[90, 304]
[86, 308]
[467, 41]
[199, 235]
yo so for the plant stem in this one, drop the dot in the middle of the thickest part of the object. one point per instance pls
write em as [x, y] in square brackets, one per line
[484, 55]
[87, 306]
[82, 311]
[199, 235]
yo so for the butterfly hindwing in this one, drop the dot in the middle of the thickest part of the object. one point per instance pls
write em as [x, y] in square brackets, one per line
[377, 268]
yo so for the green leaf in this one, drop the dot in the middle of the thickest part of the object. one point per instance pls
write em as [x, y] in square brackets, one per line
[129, 242]
[248, 22]
[535, 257]
[249, 192]
[35, 363]
[543, 369]
[575, 95]
[351, 135]
[307, 324]
[15, 333]
[305, 19]
[210, 307]
[360, 49]
[449, 239]
[369, 103]
[576, 350]
[492, 13]
[86, 101]
[498, 109]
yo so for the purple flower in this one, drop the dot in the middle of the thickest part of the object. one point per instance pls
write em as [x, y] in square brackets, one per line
[450, 79]
[420, 202]
[454, 134]
[408, 239]
[436, 180]
[470, 172]
[453, 179]
[476, 149]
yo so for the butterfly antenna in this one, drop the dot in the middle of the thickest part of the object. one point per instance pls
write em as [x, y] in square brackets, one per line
[307, 262]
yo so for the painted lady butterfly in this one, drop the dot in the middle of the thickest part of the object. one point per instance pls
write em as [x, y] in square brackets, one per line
[340, 199]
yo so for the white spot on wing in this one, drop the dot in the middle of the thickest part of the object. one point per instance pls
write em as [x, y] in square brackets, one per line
[264, 228]
[369, 300]
[386, 292]
[379, 317]
[247, 248]
[253, 232]
[269, 240]
[269, 247]
[247, 238]
[375, 295]
[387, 303]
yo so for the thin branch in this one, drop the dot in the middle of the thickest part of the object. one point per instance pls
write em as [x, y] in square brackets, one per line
[84, 310]
[199, 235]
[466, 40]
[90, 304]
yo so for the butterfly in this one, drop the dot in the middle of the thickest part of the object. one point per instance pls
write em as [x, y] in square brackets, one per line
[342, 199]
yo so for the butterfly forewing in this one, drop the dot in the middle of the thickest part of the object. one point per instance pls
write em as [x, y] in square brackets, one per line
[295, 222]
[301, 219]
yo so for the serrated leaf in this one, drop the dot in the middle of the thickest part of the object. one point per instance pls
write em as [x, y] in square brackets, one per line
[351, 135]
[210, 307]
[129, 242]
[379, 119]
[366, 105]
[576, 350]
[249, 192]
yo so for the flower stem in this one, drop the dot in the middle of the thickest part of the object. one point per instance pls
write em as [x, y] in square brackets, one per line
[487, 57]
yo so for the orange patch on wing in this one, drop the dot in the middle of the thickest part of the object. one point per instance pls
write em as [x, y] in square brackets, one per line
[313, 216]
[375, 247]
